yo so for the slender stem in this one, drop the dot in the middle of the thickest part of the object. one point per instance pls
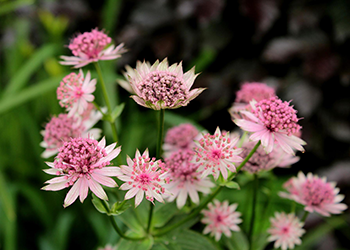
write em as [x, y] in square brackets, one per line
[197, 210]
[115, 225]
[158, 156]
[306, 213]
[108, 103]
[252, 218]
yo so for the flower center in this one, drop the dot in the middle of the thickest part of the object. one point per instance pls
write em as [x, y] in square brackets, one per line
[163, 86]
[315, 192]
[277, 115]
[216, 154]
[144, 179]
[258, 161]
[70, 90]
[61, 129]
[181, 136]
[255, 90]
[89, 43]
[79, 156]
[180, 166]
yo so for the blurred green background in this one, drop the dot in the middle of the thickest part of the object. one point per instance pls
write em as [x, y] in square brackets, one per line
[300, 47]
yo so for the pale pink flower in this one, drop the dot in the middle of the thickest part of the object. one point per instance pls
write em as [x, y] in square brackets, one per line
[285, 230]
[108, 247]
[143, 175]
[184, 179]
[160, 86]
[221, 218]
[61, 128]
[180, 137]
[316, 194]
[250, 91]
[75, 92]
[261, 161]
[82, 163]
[274, 123]
[91, 47]
[217, 153]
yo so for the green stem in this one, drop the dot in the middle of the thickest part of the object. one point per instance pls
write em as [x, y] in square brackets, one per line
[108, 103]
[252, 218]
[306, 213]
[115, 225]
[197, 210]
[158, 156]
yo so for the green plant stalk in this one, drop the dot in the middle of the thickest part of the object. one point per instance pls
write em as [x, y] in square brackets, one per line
[115, 225]
[158, 156]
[252, 218]
[306, 213]
[197, 210]
[108, 103]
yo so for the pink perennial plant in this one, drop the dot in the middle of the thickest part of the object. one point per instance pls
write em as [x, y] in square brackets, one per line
[91, 47]
[221, 218]
[274, 123]
[82, 163]
[216, 154]
[285, 230]
[160, 86]
[75, 92]
[316, 194]
[141, 176]
[185, 180]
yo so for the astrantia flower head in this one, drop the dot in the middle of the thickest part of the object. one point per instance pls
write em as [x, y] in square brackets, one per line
[143, 175]
[216, 153]
[160, 86]
[61, 128]
[260, 161]
[315, 194]
[285, 230]
[82, 163]
[248, 92]
[273, 122]
[184, 178]
[221, 218]
[75, 92]
[91, 47]
[180, 138]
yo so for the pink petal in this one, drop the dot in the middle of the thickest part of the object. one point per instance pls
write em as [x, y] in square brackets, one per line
[97, 189]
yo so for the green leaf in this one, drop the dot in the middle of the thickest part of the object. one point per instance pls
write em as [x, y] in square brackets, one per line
[117, 111]
[238, 241]
[32, 65]
[232, 185]
[191, 240]
[119, 208]
[99, 205]
[163, 213]
[145, 244]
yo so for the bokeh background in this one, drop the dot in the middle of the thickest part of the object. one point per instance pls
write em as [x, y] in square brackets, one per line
[300, 47]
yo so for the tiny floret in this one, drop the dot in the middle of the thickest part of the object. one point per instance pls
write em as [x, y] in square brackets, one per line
[315, 194]
[75, 92]
[143, 175]
[221, 218]
[285, 230]
[160, 86]
[82, 163]
[217, 153]
[91, 47]
[274, 123]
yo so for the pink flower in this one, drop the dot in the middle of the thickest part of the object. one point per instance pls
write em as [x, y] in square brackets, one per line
[108, 247]
[260, 161]
[273, 122]
[143, 175]
[184, 179]
[91, 47]
[75, 92]
[160, 86]
[221, 218]
[81, 163]
[285, 230]
[180, 137]
[248, 92]
[61, 128]
[315, 194]
[216, 153]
